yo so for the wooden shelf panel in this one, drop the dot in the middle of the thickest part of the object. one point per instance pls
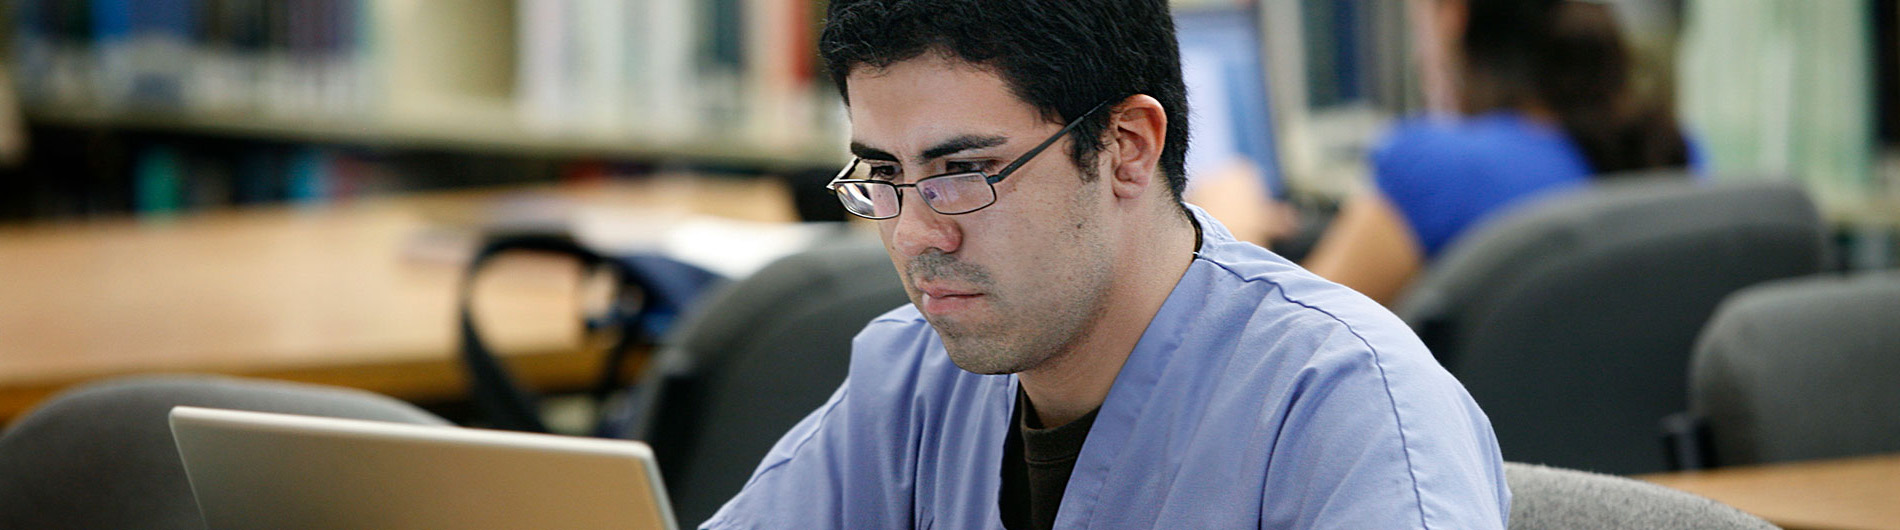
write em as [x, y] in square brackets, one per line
[488, 127]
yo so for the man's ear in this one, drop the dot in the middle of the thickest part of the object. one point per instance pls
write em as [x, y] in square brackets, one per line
[1138, 128]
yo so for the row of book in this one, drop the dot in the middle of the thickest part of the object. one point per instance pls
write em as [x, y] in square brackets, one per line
[77, 175]
[302, 57]
[171, 178]
[1786, 88]
[81, 174]
[674, 69]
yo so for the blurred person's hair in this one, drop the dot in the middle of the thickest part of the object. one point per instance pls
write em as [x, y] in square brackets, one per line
[1570, 57]
[13, 143]
[1061, 56]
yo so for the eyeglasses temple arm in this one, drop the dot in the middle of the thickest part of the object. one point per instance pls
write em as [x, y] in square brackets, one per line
[1011, 168]
[833, 184]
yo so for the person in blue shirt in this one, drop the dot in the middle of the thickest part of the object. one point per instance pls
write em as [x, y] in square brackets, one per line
[1525, 97]
[1085, 350]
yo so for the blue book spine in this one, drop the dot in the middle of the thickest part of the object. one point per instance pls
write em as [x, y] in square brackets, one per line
[309, 176]
[162, 33]
[111, 45]
[111, 20]
[34, 40]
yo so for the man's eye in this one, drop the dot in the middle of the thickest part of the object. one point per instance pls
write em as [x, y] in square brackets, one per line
[884, 172]
[966, 166]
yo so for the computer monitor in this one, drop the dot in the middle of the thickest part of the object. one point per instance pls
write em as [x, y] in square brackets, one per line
[1228, 112]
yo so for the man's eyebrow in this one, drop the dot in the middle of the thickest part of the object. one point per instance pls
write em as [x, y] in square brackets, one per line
[942, 149]
[961, 144]
[866, 152]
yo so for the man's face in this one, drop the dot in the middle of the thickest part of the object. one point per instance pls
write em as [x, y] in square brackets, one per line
[1008, 286]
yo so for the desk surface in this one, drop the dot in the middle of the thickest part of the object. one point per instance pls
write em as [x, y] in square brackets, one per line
[1854, 493]
[337, 294]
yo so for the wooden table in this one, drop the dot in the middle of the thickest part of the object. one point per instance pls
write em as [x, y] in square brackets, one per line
[345, 294]
[1854, 493]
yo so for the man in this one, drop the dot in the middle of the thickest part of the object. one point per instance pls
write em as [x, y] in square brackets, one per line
[1083, 350]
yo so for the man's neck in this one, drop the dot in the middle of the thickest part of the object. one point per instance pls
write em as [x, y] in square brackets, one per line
[1074, 382]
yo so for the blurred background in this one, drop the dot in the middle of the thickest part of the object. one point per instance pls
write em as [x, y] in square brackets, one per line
[151, 107]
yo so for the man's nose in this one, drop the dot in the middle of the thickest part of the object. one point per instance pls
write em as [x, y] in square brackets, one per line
[918, 228]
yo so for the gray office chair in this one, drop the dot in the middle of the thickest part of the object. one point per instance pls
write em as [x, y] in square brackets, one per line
[1570, 320]
[101, 455]
[755, 360]
[1548, 498]
[1800, 369]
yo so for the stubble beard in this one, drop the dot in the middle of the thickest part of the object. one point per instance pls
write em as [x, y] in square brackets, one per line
[1012, 344]
[1029, 325]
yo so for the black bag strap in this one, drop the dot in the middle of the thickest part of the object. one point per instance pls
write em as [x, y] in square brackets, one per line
[498, 397]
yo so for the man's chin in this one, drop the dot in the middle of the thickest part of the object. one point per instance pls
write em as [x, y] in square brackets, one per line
[984, 366]
[986, 359]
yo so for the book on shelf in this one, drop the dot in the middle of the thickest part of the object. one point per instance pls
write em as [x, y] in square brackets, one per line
[655, 72]
[743, 70]
[1785, 88]
[232, 57]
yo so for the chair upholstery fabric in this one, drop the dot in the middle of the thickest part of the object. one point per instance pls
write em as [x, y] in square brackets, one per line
[753, 361]
[1571, 319]
[102, 456]
[1548, 498]
[1802, 369]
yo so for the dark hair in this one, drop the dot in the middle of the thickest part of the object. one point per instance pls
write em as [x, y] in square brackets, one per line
[1061, 56]
[1570, 57]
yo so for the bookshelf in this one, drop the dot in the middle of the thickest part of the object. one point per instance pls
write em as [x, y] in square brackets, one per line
[547, 84]
[1789, 88]
[488, 129]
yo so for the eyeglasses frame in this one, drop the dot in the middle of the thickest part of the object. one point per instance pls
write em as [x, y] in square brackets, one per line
[1004, 173]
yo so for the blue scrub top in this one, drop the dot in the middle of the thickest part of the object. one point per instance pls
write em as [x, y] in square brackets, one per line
[1260, 396]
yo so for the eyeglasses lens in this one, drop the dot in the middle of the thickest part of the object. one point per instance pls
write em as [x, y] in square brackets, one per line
[954, 194]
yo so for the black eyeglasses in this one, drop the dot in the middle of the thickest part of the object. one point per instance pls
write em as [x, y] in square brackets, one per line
[949, 194]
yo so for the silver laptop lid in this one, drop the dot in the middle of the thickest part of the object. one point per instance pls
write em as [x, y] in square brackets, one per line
[252, 470]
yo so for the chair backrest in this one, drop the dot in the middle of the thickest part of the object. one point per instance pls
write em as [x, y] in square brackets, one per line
[102, 456]
[755, 360]
[1801, 369]
[1548, 498]
[1570, 320]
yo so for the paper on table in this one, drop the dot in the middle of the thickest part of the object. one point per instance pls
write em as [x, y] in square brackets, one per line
[732, 248]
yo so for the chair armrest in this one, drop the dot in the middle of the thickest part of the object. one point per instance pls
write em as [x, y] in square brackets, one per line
[1686, 444]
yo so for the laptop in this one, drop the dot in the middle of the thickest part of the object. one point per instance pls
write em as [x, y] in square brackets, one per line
[253, 470]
